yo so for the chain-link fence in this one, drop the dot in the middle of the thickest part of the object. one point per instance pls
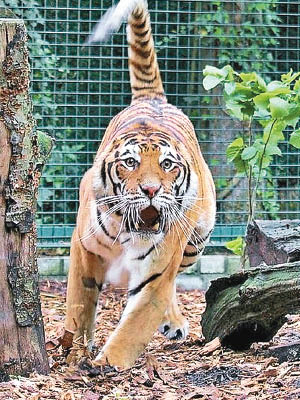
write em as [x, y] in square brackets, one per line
[78, 89]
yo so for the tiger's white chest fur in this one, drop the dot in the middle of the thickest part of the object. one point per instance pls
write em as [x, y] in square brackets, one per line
[126, 260]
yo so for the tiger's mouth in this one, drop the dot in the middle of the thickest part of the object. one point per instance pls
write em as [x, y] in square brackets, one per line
[149, 221]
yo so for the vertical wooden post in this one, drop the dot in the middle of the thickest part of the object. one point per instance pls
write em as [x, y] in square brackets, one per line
[23, 151]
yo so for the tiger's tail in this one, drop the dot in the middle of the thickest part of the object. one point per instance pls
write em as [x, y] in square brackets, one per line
[143, 67]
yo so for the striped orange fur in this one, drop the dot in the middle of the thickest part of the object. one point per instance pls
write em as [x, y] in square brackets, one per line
[147, 207]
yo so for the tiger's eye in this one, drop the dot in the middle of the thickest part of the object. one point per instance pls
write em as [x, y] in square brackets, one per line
[166, 164]
[130, 162]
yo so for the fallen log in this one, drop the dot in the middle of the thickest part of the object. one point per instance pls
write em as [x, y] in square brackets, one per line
[250, 306]
[273, 242]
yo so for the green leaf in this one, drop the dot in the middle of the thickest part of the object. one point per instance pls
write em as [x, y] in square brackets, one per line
[262, 100]
[266, 161]
[293, 115]
[248, 153]
[211, 70]
[240, 165]
[289, 77]
[244, 92]
[210, 81]
[272, 149]
[295, 139]
[249, 77]
[248, 109]
[261, 83]
[234, 149]
[297, 86]
[229, 87]
[279, 107]
[236, 246]
[234, 108]
[276, 133]
[273, 85]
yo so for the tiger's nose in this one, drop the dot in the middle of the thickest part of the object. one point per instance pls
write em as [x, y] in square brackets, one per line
[150, 190]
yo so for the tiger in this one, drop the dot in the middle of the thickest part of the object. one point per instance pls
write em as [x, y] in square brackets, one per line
[146, 207]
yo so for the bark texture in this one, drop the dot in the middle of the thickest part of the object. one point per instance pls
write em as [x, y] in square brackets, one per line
[248, 306]
[273, 242]
[23, 151]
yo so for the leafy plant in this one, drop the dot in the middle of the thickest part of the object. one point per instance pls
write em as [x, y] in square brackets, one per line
[236, 246]
[266, 110]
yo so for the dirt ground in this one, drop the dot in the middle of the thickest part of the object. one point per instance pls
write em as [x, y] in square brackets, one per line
[167, 370]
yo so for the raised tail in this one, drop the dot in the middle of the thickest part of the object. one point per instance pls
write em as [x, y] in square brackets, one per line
[143, 67]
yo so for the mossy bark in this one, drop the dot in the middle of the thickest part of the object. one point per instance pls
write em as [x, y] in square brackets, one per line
[251, 306]
[23, 151]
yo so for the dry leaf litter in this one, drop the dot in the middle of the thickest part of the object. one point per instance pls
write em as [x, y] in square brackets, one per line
[167, 370]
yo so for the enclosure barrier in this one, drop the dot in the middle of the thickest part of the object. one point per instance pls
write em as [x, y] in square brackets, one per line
[77, 89]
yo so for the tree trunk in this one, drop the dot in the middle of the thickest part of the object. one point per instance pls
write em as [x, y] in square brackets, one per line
[248, 306]
[273, 242]
[23, 151]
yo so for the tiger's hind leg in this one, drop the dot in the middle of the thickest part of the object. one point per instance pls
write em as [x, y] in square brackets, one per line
[84, 283]
[174, 325]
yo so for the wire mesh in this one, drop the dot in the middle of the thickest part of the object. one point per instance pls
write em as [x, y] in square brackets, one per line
[79, 89]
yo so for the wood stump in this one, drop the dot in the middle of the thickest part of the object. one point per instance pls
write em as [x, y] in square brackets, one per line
[23, 151]
[273, 242]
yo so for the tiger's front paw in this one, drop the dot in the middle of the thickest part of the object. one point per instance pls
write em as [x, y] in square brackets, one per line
[175, 330]
[113, 358]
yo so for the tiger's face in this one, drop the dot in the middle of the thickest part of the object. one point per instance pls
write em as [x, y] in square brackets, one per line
[146, 181]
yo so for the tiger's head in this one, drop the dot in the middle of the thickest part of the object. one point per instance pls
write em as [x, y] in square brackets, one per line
[145, 177]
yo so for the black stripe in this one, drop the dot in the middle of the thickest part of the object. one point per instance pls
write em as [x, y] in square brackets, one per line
[196, 241]
[188, 178]
[99, 286]
[103, 245]
[145, 80]
[142, 53]
[133, 292]
[143, 67]
[193, 254]
[139, 26]
[114, 185]
[147, 88]
[125, 241]
[186, 266]
[138, 15]
[163, 143]
[143, 43]
[163, 135]
[131, 141]
[177, 187]
[125, 152]
[143, 256]
[164, 197]
[141, 34]
[101, 224]
[103, 173]
[90, 283]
